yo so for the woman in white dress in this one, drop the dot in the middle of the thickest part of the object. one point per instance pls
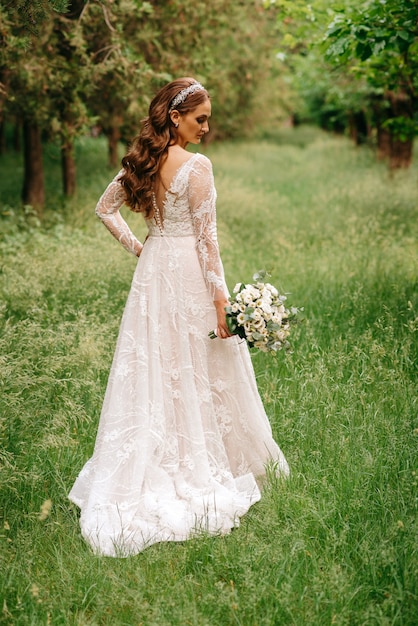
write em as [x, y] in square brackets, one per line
[183, 436]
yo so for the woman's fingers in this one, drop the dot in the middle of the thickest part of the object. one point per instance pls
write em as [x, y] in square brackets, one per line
[223, 332]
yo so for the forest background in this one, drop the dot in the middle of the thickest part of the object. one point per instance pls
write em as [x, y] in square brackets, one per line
[71, 67]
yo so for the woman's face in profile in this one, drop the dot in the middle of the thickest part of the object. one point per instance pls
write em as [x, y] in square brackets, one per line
[194, 124]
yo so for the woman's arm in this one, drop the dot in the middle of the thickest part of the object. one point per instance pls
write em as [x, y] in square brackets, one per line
[202, 199]
[107, 210]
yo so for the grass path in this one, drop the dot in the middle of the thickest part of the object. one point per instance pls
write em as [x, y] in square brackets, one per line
[334, 544]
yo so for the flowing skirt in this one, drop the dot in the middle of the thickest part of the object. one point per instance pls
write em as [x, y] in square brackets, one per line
[183, 434]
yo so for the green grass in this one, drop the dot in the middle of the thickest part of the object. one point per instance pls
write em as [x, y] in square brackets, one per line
[336, 542]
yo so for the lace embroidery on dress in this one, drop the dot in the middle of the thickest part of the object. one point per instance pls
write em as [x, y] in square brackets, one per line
[190, 209]
[107, 210]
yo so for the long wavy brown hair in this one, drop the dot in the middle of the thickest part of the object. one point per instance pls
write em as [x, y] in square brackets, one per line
[149, 149]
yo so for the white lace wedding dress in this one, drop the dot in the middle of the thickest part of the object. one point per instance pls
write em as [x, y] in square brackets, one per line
[183, 434]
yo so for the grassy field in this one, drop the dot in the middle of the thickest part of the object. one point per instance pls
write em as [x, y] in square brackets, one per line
[336, 543]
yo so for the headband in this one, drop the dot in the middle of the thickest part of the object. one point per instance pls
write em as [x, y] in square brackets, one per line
[182, 95]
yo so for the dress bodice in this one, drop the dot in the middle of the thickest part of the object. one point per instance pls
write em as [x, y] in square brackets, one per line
[175, 220]
[189, 209]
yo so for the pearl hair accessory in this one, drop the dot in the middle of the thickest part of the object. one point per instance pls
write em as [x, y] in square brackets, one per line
[182, 95]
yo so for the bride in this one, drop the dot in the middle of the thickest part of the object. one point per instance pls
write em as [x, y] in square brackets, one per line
[183, 437]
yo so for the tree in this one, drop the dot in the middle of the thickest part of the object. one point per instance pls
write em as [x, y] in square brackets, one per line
[355, 64]
[68, 65]
[116, 37]
[378, 41]
[24, 80]
[69, 82]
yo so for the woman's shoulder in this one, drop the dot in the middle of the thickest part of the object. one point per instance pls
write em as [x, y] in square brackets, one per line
[201, 161]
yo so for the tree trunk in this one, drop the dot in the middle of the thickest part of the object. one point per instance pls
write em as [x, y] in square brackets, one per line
[383, 143]
[113, 138]
[401, 149]
[33, 192]
[16, 136]
[4, 78]
[2, 137]
[358, 127]
[68, 169]
[380, 113]
[400, 153]
[393, 106]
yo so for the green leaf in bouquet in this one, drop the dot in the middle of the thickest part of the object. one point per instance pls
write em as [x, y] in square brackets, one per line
[260, 275]
[241, 332]
[232, 325]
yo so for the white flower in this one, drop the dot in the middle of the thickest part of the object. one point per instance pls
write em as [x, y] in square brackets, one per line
[272, 290]
[266, 307]
[256, 315]
[246, 296]
[241, 319]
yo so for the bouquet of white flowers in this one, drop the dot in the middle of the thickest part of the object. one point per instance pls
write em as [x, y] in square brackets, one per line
[257, 314]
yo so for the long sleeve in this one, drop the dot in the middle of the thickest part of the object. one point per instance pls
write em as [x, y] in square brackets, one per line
[107, 210]
[202, 200]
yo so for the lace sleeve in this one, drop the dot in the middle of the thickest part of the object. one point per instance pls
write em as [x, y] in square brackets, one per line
[202, 200]
[107, 210]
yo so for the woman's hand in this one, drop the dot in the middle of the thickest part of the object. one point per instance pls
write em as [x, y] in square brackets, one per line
[222, 328]
[141, 247]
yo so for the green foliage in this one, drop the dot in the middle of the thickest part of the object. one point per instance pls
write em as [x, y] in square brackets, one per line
[99, 63]
[32, 14]
[366, 30]
[355, 66]
[379, 40]
[336, 543]
[102, 61]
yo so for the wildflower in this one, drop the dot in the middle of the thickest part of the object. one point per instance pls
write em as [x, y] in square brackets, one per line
[45, 510]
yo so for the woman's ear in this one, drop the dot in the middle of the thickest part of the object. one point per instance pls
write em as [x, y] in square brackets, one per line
[175, 117]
